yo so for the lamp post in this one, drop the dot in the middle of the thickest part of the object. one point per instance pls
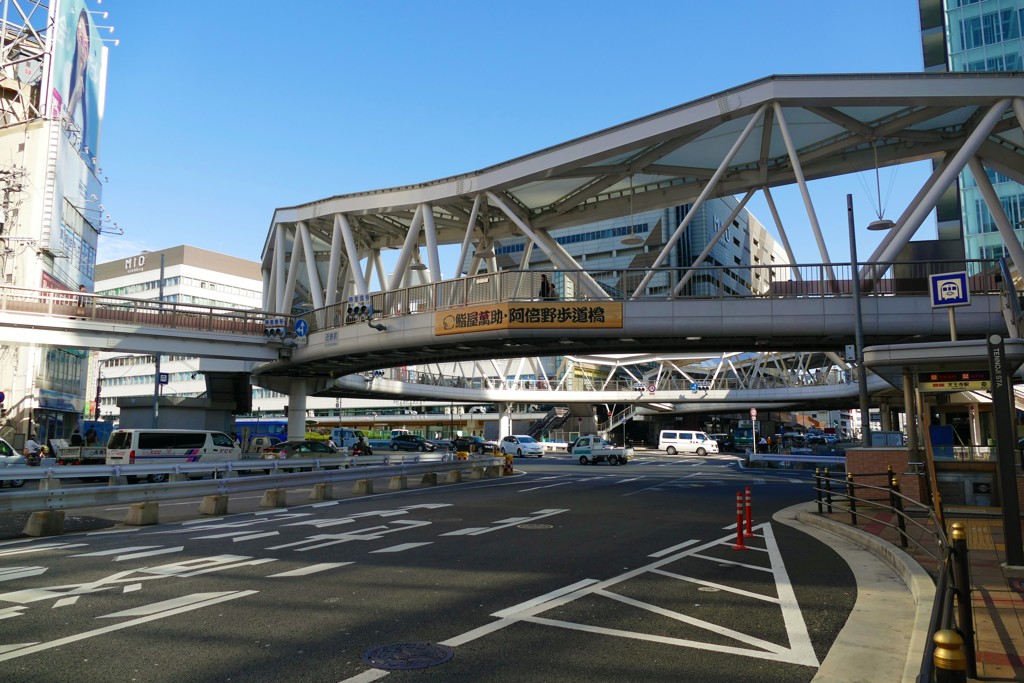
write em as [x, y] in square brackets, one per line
[862, 377]
[156, 377]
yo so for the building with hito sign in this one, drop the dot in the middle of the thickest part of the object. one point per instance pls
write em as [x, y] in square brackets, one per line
[53, 77]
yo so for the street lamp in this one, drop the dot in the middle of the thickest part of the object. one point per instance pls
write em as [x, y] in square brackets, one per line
[862, 378]
[156, 378]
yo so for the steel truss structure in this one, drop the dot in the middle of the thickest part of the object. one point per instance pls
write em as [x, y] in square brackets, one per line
[772, 132]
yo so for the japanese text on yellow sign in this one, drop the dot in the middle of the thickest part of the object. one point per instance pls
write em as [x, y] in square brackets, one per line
[532, 316]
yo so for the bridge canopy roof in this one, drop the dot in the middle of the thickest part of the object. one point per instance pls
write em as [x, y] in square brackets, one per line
[837, 124]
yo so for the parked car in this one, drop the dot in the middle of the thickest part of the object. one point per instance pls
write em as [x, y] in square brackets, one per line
[724, 441]
[11, 458]
[411, 442]
[520, 445]
[298, 449]
[474, 444]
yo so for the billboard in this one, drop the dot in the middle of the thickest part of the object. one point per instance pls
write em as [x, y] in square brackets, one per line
[79, 76]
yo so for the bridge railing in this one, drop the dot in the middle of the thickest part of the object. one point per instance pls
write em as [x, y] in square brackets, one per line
[142, 312]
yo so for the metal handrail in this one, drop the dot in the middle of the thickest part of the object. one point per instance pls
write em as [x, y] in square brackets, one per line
[953, 580]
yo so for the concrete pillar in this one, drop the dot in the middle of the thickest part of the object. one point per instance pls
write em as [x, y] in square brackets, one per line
[885, 411]
[297, 410]
[975, 420]
[454, 477]
[429, 479]
[274, 498]
[142, 514]
[324, 491]
[504, 420]
[45, 523]
[214, 505]
[363, 486]
[476, 473]
[398, 483]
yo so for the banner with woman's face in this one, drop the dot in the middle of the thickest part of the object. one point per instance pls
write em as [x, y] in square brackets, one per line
[78, 74]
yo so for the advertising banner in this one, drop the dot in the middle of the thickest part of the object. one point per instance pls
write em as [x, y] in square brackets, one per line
[79, 72]
[532, 316]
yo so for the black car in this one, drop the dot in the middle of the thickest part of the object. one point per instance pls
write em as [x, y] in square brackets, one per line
[299, 449]
[411, 442]
[473, 444]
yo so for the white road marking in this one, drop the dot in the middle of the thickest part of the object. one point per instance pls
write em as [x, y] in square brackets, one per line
[666, 551]
[558, 592]
[253, 537]
[204, 600]
[799, 650]
[10, 613]
[367, 676]
[108, 532]
[626, 481]
[20, 572]
[64, 602]
[738, 564]
[149, 553]
[174, 604]
[40, 548]
[400, 548]
[549, 486]
[477, 531]
[132, 587]
[310, 569]
[117, 551]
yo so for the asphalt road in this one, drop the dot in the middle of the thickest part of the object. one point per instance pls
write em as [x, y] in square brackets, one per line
[562, 573]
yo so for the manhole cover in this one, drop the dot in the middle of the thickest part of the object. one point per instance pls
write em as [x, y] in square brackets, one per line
[401, 656]
[534, 526]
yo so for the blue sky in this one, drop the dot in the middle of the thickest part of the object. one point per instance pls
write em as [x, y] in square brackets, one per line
[217, 116]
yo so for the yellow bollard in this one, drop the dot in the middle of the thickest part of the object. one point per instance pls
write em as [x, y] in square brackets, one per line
[949, 659]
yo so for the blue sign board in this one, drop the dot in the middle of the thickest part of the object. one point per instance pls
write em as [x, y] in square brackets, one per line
[164, 378]
[949, 289]
[301, 327]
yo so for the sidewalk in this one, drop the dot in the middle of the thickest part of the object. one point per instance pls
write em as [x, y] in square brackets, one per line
[997, 599]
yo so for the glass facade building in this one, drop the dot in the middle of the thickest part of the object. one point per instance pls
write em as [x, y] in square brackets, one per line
[977, 35]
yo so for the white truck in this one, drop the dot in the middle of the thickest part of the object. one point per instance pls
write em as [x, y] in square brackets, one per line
[592, 449]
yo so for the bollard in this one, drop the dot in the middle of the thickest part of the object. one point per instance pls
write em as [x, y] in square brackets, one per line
[398, 483]
[322, 491]
[817, 489]
[454, 477]
[739, 523]
[950, 663]
[749, 533]
[897, 507]
[274, 498]
[429, 479]
[828, 492]
[962, 588]
[509, 463]
[45, 523]
[216, 504]
[142, 514]
[363, 486]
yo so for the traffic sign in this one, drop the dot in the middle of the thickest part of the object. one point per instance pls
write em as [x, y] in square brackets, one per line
[651, 388]
[164, 378]
[301, 327]
[753, 413]
[2, 396]
[949, 289]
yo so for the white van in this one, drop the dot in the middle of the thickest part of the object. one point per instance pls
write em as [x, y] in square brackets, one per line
[169, 446]
[674, 441]
[346, 438]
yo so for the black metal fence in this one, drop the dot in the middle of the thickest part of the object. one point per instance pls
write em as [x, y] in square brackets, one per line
[949, 655]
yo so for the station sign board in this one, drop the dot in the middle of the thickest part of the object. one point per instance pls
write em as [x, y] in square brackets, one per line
[955, 380]
[949, 289]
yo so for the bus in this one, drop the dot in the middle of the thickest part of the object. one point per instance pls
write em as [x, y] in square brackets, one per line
[743, 435]
[248, 427]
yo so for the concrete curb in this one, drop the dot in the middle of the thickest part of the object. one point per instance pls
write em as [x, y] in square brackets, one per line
[917, 581]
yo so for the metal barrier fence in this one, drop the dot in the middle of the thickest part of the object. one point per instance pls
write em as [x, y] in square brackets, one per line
[949, 654]
[275, 474]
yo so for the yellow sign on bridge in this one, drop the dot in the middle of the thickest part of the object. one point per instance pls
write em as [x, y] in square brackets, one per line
[540, 315]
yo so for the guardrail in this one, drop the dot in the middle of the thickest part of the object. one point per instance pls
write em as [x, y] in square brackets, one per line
[278, 474]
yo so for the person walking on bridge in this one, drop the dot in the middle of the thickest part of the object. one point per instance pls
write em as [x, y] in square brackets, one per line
[547, 290]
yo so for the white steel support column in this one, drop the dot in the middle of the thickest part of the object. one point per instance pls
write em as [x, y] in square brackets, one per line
[995, 207]
[782, 233]
[713, 242]
[808, 205]
[268, 291]
[704, 194]
[1018, 109]
[527, 230]
[351, 253]
[335, 264]
[378, 263]
[946, 178]
[504, 419]
[293, 274]
[312, 274]
[430, 233]
[278, 270]
[297, 410]
[467, 239]
[405, 255]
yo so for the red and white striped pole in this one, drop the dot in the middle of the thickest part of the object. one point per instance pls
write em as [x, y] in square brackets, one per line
[749, 533]
[739, 523]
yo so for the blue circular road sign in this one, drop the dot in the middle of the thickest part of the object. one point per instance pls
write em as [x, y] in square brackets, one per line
[301, 327]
